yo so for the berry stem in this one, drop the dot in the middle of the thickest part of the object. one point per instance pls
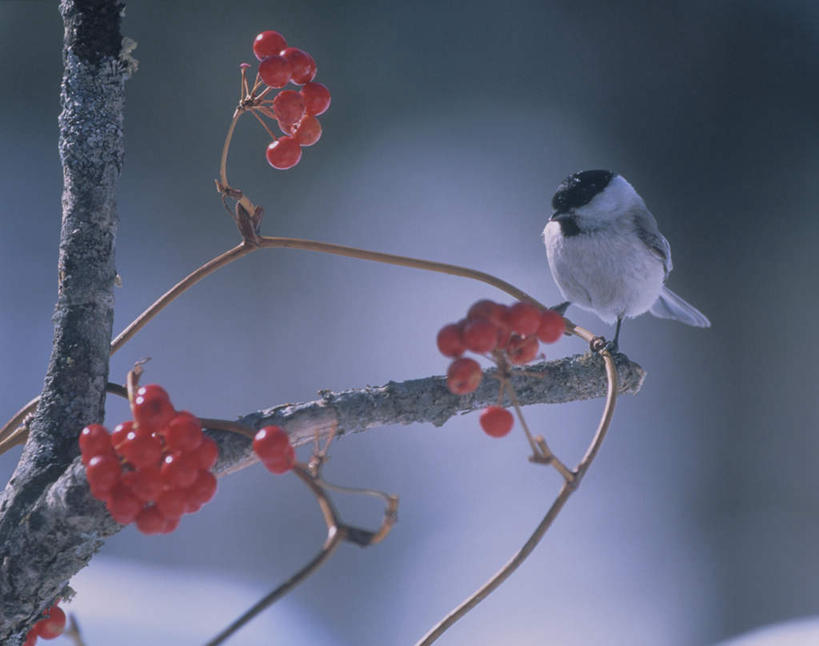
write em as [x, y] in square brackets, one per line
[261, 94]
[243, 90]
[72, 631]
[227, 425]
[132, 383]
[264, 125]
[535, 449]
[224, 184]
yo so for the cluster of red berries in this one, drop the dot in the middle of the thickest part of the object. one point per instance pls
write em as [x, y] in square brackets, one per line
[153, 469]
[272, 446]
[508, 334]
[50, 626]
[295, 111]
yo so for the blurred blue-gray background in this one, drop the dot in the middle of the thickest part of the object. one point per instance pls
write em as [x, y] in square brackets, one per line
[450, 127]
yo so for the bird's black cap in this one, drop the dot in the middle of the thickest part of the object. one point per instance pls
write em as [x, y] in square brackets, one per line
[579, 189]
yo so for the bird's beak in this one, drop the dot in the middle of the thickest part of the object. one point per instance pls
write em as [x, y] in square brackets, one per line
[554, 216]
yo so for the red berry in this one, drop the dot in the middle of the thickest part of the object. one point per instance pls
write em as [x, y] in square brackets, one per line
[31, 637]
[449, 340]
[282, 465]
[207, 453]
[287, 128]
[183, 432]
[144, 483]
[504, 334]
[552, 326]
[140, 450]
[288, 106]
[53, 625]
[122, 504]
[522, 349]
[268, 43]
[302, 64]
[179, 470]
[152, 408]
[171, 503]
[170, 525]
[284, 153]
[275, 71]
[523, 318]
[271, 443]
[191, 507]
[120, 431]
[316, 98]
[94, 440]
[102, 473]
[150, 520]
[496, 421]
[488, 310]
[464, 376]
[308, 131]
[202, 489]
[479, 335]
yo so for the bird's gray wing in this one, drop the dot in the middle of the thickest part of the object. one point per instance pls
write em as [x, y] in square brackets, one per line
[646, 228]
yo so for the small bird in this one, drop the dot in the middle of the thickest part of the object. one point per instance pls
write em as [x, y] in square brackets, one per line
[607, 255]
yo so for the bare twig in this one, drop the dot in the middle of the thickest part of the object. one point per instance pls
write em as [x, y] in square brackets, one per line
[72, 631]
[337, 532]
[335, 536]
[569, 486]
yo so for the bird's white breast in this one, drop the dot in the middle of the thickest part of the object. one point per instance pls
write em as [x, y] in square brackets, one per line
[612, 274]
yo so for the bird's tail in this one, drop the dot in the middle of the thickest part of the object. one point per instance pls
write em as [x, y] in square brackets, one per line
[671, 306]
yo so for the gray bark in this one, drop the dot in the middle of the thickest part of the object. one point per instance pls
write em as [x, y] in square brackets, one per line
[66, 525]
[91, 150]
[426, 401]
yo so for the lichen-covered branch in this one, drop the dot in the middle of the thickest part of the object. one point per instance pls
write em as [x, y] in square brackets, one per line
[426, 401]
[66, 525]
[91, 150]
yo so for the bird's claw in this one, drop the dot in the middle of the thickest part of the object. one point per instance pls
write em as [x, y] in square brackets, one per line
[599, 344]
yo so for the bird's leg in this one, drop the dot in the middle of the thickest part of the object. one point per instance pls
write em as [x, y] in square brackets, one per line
[613, 345]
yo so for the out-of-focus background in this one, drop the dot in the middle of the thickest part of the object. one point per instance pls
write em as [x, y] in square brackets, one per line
[450, 127]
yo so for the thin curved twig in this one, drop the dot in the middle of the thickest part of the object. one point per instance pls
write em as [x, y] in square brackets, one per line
[335, 535]
[569, 486]
[271, 242]
[337, 532]
[12, 433]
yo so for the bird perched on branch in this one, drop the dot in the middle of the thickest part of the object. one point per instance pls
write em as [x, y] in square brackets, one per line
[607, 255]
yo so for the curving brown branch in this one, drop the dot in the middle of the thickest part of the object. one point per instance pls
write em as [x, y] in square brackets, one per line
[570, 484]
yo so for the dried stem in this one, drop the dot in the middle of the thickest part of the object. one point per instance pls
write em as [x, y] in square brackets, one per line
[569, 486]
[72, 631]
[337, 532]
[242, 249]
[335, 536]
[264, 125]
[12, 433]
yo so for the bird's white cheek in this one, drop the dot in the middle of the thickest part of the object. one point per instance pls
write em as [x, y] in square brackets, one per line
[551, 237]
